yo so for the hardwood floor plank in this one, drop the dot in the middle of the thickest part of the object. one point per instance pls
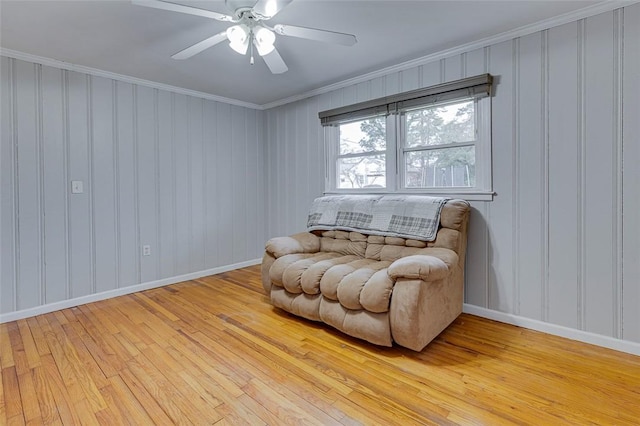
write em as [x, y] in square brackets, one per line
[116, 414]
[286, 409]
[228, 367]
[6, 353]
[29, 345]
[189, 400]
[59, 316]
[236, 414]
[157, 387]
[88, 376]
[277, 354]
[375, 383]
[204, 393]
[196, 354]
[61, 394]
[38, 336]
[11, 390]
[215, 351]
[387, 412]
[101, 346]
[146, 399]
[156, 308]
[354, 414]
[260, 411]
[127, 401]
[93, 349]
[180, 409]
[85, 413]
[16, 421]
[30, 407]
[46, 401]
[62, 363]
[275, 375]
[88, 362]
[19, 355]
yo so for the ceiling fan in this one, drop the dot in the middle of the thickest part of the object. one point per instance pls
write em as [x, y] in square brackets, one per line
[250, 29]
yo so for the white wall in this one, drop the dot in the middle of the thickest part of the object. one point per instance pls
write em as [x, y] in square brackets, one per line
[560, 242]
[180, 173]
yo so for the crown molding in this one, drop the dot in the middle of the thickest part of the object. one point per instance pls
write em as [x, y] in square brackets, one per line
[598, 8]
[121, 77]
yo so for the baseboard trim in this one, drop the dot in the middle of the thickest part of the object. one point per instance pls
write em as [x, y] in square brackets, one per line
[556, 330]
[64, 304]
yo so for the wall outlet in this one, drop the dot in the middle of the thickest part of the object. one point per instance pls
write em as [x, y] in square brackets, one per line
[76, 187]
[146, 250]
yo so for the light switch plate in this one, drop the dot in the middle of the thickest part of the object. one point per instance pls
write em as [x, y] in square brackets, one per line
[77, 187]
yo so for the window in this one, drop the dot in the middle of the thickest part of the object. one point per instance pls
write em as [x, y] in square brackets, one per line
[361, 160]
[435, 140]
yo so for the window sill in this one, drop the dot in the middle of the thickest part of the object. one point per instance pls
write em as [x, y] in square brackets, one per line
[465, 195]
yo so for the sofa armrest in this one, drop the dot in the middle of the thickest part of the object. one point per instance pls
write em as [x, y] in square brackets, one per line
[303, 242]
[422, 267]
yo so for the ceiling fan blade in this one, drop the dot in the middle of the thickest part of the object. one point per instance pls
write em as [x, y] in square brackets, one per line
[157, 4]
[275, 63]
[269, 8]
[199, 47]
[313, 34]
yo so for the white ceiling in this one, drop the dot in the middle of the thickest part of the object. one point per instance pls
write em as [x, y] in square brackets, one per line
[135, 41]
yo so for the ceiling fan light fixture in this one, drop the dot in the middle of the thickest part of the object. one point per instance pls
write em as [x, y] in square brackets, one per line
[264, 39]
[238, 36]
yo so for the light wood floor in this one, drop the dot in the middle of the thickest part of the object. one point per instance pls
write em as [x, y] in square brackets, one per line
[213, 351]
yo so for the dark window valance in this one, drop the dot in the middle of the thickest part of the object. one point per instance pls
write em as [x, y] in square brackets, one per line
[478, 86]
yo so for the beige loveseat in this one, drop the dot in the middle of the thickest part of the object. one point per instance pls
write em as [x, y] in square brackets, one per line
[382, 289]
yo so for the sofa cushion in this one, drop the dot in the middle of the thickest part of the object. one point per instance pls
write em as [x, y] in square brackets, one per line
[303, 305]
[455, 215]
[447, 238]
[350, 288]
[332, 278]
[310, 279]
[292, 274]
[343, 246]
[303, 242]
[355, 282]
[281, 263]
[370, 326]
[419, 267]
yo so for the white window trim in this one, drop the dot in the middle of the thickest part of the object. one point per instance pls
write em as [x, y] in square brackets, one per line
[483, 191]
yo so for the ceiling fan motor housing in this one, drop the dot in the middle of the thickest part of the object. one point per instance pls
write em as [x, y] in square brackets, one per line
[239, 6]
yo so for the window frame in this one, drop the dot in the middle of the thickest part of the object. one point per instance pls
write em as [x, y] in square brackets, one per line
[332, 156]
[394, 108]
[482, 144]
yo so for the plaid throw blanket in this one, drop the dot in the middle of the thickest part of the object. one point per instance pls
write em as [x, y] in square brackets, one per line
[408, 216]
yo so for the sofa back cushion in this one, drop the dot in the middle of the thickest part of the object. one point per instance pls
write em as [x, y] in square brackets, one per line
[454, 214]
[343, 242]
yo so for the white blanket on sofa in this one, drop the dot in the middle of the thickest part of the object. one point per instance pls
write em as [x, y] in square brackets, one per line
[408, 216]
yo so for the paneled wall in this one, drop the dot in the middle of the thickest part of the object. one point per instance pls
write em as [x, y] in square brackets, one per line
[560, 242]
[194, 178]
[179, 173]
